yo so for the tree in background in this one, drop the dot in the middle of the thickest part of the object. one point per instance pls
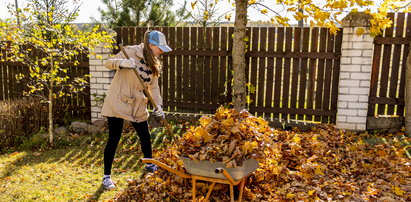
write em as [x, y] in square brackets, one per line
[205, 13]
[161, 14]
[44, 42]
[140, 12]
[122, 12]
[316, 13]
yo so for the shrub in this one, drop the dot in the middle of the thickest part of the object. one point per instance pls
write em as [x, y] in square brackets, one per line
[19, 120]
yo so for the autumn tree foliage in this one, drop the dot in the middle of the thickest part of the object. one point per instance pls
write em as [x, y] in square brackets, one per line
[45, 41]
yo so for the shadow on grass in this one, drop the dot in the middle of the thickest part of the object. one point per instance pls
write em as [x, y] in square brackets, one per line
[97, 194]
[88, 153]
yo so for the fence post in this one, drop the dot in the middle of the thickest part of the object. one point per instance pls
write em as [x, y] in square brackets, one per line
[355, 73]
[99, 81]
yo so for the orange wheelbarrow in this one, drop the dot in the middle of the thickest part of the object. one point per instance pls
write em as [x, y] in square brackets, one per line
[214, 172]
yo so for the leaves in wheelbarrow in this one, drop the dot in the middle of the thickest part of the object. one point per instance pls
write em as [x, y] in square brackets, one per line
[229, 136]
[321, 164]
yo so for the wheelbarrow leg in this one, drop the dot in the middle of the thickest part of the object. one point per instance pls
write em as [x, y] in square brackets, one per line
[209, 191]
[240, 197]
[231, 193]
[194, 190]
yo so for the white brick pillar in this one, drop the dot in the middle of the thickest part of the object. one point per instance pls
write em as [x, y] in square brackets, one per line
[99, 81]
[355, 73]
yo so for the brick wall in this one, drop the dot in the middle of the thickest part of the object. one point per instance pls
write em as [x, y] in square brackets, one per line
[99, 81]
[355, 76]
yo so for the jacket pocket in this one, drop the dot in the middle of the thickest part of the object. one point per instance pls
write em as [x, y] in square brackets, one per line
[141, 109]
[125, 105]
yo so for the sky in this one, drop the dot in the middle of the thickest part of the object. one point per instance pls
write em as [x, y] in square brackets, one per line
[89, 8]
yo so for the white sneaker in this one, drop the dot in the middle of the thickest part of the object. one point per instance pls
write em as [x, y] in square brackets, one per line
[108, 183]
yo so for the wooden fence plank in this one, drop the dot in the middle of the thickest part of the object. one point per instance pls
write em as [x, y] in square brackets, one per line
[215, 66]
[270, 70]
[10, 73]
[296, 71]
[287, 71]
[207, 65]
[179, 66]
[254, 65]
[375, 69]
[223, 68]
[320, 78]
[172, 67]
[303, 81]
[186, 67]
[278, 69]
[385, 68]
[133, 38]
[140, 31]
[193, 66]
[200, 63]
[165, 76]
[336, 73]
[229, 98]
[312, 71]
[396, 62]
[125, 34]
[261, 70]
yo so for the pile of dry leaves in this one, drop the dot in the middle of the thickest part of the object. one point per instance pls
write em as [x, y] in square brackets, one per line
[321, 164]
[229, 136]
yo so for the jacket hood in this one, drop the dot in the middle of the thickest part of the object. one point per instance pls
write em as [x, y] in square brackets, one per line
[139, 50]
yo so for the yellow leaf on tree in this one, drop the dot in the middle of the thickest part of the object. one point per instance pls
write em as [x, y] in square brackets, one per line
[360, 31]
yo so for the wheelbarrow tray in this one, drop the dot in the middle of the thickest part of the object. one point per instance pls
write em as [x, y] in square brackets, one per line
[208, 168]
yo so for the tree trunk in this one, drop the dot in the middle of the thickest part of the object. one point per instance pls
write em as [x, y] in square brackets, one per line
[408, 93]
[50, 101]
[239, 88]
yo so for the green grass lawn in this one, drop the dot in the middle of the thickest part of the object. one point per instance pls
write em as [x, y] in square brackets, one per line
[69, 173]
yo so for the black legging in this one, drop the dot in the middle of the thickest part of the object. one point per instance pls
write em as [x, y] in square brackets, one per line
[115, 128]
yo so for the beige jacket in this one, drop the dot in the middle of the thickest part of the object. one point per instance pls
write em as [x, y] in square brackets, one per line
[125, 98]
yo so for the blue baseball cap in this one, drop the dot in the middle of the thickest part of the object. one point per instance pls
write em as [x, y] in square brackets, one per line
[157, 38]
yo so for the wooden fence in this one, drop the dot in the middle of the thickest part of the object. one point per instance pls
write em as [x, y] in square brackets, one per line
[387, 87]
[292, 73]
[76, 106]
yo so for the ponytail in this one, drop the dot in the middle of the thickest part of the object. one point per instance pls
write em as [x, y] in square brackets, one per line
[152, 62]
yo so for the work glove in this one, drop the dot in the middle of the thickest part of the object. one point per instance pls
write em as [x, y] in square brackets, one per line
[128, 64]
[159, 112]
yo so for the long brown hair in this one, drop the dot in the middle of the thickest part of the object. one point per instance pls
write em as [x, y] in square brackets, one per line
[152, 62]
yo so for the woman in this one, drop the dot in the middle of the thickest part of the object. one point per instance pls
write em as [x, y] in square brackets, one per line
[125, 98]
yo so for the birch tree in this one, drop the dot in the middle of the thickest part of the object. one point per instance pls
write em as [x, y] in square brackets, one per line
[44, 43]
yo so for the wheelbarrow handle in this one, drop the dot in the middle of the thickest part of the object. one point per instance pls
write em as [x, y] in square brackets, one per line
[226, 174]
